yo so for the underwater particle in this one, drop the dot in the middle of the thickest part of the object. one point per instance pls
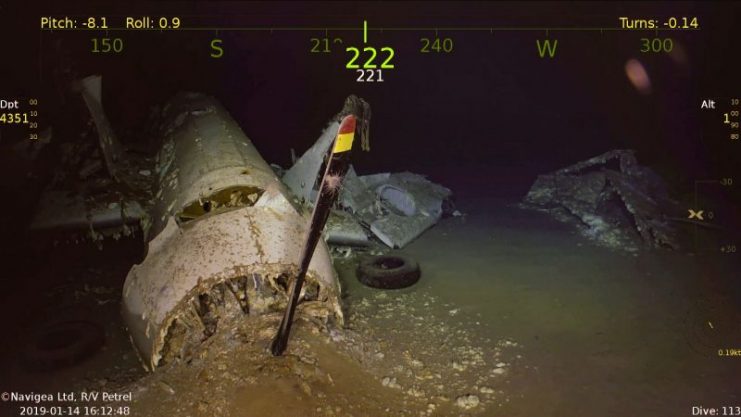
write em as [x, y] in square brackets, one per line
[638, 76]
[467, 401]
[679, 55]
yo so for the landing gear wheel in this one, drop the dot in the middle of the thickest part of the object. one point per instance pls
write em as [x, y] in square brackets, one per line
[388, 271]
[62, 344]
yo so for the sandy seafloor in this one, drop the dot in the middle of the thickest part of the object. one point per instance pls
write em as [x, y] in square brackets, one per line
[601, 331]
[513, 308]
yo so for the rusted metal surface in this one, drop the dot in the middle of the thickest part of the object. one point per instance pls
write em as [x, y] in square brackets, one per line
[412, 204]
[625, 208]
[225, 239]
[206, 162]
[397, 208]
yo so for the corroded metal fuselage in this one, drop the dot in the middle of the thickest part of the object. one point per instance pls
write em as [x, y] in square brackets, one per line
[224, 238]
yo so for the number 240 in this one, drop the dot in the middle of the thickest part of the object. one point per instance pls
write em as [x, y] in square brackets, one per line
[369, 63]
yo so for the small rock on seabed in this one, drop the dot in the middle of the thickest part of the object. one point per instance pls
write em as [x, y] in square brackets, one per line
[467, 401]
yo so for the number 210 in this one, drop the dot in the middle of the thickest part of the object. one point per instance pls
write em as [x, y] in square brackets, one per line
[369, 63]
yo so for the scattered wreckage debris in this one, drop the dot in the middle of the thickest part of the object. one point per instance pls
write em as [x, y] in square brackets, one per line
[80, 214]
[223, 230]
[225, 238]
[120, 165]
[99, 190]
[91, 90]
[343, 230]
[406, 205]
[396, 208]
[611, 199]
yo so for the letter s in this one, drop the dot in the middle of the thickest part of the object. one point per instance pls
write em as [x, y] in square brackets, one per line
[218, 51]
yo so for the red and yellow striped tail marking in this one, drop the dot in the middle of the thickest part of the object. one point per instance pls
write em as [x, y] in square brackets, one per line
[345, 135]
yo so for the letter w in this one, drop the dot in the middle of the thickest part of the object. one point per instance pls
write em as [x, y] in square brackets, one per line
[547, 47]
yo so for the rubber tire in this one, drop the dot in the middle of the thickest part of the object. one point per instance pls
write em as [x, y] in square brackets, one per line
[79, 340]
[403, 273]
